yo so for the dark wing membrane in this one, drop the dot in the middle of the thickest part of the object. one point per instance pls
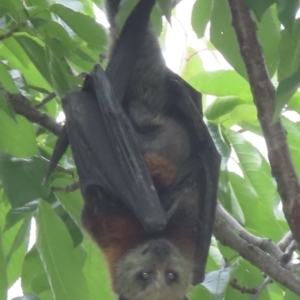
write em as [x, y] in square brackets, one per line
[210, 160]
[128, 48]
[106, 151]
[126, 52]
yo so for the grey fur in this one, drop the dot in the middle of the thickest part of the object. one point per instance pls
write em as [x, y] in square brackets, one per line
[156, 257]
[147, 90]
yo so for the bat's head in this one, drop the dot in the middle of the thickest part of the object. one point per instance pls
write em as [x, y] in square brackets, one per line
[155, 270]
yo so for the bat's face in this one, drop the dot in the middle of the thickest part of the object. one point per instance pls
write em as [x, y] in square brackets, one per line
[156, 270]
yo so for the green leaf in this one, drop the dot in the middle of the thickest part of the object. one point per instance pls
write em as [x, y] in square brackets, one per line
[218, 138]
[276, 291]
[200, 292]
[53, 29]
[244, 113]
[74, 230]
[22, 179]
[210, 265]
[37, 55]
[88, 7]
[6, 80]
[235, 208]
[85, 27]
[289, 51]
[34, 277]
[193, 64]
[269, 37]
[17, 137]
[21, 237]
[15, 9]
[55, 247]
[293, 137]
[17, 58]
[82, 61]
[286, 89]
[46, 295]
[156, 20]
[38, 12]
[252, 127]
[15, 263]
[294, 103]
[251, 162]
[259, 6]
[217, 281]
[166, 7]
[16, 50]
[227, 252]
[215, 258]
[222, 106]
[39, 3]
[17, 214]
[6, 106]
[99, 3]
[27, 297]
[72, 202]
[259, 215]
[249, 276]
[223, 36]
[287, 11]
[95, 269]
[290, 295]
[201, 16]
[3, 275]
[7, 237]
[220, 83]
[60, 74]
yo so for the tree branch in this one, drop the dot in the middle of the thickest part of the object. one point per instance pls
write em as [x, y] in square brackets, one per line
[264, 94]
[47, 99]
[227, 230]
[23, 106]
[11, 32]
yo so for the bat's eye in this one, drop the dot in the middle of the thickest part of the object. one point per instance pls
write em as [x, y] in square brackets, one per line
[144, 276]
[171, 276]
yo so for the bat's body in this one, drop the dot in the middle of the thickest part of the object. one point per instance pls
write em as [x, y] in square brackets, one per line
[147, 165]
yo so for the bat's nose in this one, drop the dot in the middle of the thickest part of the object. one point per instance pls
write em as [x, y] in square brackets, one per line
[160, 248]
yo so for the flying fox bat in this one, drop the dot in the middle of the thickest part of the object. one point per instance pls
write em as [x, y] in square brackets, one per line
[147, 165]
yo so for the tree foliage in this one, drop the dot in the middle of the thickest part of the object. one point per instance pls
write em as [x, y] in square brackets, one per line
[47, 46]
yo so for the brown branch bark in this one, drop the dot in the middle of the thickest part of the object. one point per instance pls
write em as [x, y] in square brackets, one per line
[228, 231]
[11, 32]
[23, 106]
[264, 94]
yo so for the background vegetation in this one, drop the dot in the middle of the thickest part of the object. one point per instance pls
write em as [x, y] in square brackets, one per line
[46, 47]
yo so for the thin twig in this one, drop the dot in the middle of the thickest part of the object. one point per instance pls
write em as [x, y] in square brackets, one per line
[69, 188]
[227, 230]
[285, 261]
[23, 106]
[261, 288]
[243, 289]
[11, 31]
[46, 100]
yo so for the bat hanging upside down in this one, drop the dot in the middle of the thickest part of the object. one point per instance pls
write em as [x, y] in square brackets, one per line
[147, 165]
